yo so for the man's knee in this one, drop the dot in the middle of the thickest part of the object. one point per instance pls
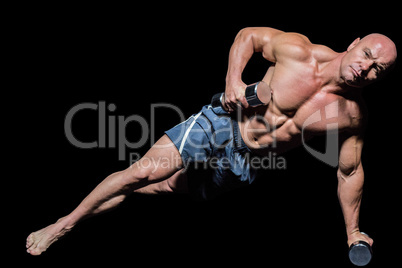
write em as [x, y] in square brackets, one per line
[164, 187]
[144, 171]
[178, 182]
[155, 188]
[138, 173]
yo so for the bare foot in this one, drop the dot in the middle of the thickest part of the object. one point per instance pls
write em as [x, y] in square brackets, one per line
[39, 241]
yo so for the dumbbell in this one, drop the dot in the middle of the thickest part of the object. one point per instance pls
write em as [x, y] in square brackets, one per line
[360, 253]
[256, 94]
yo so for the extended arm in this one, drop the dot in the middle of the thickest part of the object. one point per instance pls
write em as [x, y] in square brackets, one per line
[350, 186]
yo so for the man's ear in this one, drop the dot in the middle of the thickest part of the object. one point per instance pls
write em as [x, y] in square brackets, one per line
[357, 40]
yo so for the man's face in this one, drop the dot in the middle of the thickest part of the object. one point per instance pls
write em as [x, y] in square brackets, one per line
[367, 60]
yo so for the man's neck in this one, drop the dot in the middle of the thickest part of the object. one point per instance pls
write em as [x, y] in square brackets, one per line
[330, 72]
[332, 80]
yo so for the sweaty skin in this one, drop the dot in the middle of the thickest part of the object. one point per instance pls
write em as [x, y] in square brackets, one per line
[304, 78]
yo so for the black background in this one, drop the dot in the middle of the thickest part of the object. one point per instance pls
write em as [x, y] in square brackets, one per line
[133, 56]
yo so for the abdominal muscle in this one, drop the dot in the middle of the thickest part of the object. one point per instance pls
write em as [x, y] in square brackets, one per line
[266, 131]
[266, 128]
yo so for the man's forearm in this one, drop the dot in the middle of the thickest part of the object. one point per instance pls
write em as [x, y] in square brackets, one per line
[350, 190]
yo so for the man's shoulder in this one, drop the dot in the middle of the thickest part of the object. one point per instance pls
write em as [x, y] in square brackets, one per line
[298, 47]
[292, 46]
[356, 110]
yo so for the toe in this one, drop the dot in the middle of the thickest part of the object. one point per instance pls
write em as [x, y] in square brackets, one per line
[32, 244]
[30, 241]
[34, 249]
[34, 252]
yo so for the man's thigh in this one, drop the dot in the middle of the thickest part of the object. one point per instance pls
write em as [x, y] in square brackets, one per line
[161, 162]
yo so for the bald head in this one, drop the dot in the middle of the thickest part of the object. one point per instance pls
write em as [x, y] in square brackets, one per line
[368, 59]
[383, 45]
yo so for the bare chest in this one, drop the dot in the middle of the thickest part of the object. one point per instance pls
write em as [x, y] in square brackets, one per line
[321, 113]
[299, 95]
[293, 86]
[299, 104]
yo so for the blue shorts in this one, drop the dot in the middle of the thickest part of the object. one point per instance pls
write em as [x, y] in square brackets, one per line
[212, 139]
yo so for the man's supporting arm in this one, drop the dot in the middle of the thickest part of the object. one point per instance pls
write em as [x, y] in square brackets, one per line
[350, 186]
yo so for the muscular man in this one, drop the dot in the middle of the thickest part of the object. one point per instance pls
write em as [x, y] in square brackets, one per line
[303, 79]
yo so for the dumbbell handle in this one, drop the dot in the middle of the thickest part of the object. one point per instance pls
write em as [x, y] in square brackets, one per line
[250, 94]
[217, 99]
